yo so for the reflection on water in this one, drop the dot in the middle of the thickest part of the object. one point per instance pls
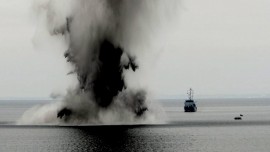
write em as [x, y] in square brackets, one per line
[109, 138]
[199, 137]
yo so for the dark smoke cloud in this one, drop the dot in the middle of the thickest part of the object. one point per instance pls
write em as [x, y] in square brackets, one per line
[101, 36]
[97, 61]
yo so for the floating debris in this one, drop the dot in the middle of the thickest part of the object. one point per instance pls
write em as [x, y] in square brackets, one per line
[239, 117]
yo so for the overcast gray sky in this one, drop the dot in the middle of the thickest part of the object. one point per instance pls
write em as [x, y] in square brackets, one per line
[219, 48]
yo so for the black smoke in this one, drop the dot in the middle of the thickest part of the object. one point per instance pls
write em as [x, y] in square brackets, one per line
[108, 80]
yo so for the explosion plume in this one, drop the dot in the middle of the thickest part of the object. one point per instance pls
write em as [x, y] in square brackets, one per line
[100, 35]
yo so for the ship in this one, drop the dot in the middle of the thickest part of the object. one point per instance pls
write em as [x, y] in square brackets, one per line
[190, 105]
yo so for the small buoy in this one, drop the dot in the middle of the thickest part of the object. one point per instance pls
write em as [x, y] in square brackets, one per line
[237, 118]
[241, 115]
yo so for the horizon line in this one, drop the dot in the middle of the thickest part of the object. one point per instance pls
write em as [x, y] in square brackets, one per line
[156, 98]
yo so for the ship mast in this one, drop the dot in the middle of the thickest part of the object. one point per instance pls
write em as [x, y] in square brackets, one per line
[190, 94]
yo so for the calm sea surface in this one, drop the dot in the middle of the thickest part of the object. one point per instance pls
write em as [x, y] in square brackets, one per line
[212, 128]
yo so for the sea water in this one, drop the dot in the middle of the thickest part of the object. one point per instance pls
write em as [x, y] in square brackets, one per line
[211, 128]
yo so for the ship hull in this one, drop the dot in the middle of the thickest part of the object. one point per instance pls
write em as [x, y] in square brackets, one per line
[190, 106]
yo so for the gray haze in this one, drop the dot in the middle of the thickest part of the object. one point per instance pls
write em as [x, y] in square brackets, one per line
[217, 47]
